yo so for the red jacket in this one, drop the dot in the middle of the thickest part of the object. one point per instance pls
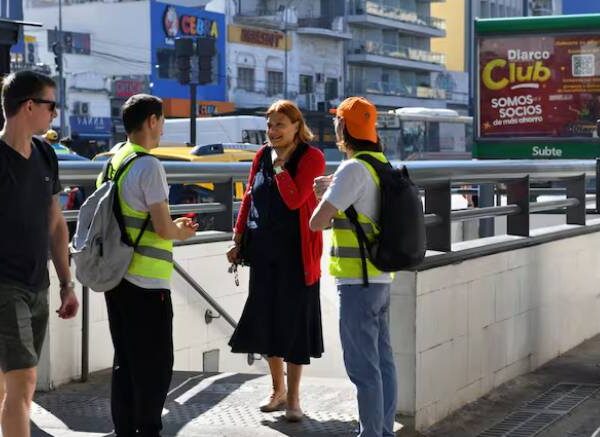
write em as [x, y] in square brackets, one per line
[297, 193]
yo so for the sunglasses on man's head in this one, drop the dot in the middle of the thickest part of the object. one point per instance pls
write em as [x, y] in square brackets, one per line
[51, 103]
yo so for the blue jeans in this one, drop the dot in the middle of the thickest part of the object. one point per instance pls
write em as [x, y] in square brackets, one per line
[368, 356]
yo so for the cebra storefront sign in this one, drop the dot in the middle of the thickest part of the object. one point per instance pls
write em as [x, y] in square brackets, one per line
[176, 24]
[169, 22]
[538, 87]
[255, 36]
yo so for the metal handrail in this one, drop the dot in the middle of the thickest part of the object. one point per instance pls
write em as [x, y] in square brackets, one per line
[489, 211]
[201, 291]
[436, 177]
[422, 172]
[552, 204]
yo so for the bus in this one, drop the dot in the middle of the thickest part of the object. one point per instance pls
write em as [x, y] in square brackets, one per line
[215, 130]
[410, 134]
[425, 133]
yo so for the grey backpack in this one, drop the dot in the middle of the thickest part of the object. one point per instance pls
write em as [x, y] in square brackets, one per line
[101, 248]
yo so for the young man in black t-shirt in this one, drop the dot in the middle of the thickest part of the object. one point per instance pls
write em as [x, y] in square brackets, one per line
[31, 225]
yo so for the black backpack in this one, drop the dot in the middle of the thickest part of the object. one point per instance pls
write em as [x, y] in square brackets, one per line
[401, 241]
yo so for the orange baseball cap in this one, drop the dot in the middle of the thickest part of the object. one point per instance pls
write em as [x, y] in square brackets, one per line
[360, 118]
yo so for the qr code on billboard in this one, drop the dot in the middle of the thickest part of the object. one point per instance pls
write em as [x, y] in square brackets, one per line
[584, 65]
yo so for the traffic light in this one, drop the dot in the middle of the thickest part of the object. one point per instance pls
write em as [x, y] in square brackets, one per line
[205, 47]
[184, 50]
[56, 49]
[183, 70]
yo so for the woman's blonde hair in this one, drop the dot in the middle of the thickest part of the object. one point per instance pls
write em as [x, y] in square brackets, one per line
[291, 111]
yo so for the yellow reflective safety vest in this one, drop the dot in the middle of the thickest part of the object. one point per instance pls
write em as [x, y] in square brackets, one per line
[153, 257]
[345, 261]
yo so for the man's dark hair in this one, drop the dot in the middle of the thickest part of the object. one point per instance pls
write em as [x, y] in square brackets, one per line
[21, 86]
[358, 145]
[136, 110]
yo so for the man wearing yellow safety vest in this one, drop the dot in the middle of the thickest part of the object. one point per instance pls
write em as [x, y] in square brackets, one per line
[140, 312]
[364, 310]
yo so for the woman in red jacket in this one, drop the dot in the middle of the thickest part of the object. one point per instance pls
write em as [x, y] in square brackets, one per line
[282, 315]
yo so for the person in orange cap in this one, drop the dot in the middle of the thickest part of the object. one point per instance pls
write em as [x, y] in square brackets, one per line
[364, 304]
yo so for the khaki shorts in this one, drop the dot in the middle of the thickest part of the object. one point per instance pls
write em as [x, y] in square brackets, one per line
[23, 322]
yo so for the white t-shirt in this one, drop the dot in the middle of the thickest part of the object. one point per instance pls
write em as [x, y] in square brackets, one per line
[145, 184]
[352, 184]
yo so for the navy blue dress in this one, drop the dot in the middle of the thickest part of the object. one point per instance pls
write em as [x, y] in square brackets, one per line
[282, 315]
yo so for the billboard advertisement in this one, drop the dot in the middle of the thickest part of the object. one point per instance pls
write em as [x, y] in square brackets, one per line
[545, 87]
[538, 93]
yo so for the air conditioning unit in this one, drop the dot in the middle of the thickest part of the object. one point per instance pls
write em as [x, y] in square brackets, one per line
[80, 108]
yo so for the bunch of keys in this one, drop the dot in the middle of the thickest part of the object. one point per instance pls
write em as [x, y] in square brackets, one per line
[233, 268]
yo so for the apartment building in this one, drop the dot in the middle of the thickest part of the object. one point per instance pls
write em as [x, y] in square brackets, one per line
[389, 59]
[292, 50]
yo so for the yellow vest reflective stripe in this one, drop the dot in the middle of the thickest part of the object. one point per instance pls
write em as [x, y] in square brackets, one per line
[345, 261]
[153, 257]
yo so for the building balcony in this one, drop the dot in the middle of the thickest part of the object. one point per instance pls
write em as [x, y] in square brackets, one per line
[268, 18]
[396, 95]
[375, 53]
[397, 89]
[373, 14]
[324, 27]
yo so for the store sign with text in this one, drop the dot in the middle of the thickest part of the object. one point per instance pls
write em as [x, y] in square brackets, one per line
[272, 39]
[179, 24]
[128, 87]
[544, 87]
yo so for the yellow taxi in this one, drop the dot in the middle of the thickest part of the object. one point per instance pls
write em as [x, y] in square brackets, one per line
[222, 152]
[201, 192]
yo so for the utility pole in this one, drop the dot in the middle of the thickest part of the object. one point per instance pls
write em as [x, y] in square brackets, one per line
[285, 66]
[525, 8]
[285, 35]
[194, 72]
[61, 79]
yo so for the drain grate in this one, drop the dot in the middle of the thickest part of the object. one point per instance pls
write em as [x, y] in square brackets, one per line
[538, 414]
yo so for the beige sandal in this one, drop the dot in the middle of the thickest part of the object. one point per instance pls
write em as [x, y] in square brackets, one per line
[275, 402]
[294, 414]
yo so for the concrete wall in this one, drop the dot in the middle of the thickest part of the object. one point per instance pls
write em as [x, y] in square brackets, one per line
[457, 330]
[61, 359]
[462, 329]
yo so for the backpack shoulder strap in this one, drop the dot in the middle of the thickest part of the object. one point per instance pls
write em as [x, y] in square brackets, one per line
[108, 168]
[126, 163]
[117, 205]
[363, 241]
[377, 165]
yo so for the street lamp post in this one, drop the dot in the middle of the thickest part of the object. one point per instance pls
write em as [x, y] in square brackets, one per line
[61, 81]
[285, 58]
[285, 54]
[285, 66]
